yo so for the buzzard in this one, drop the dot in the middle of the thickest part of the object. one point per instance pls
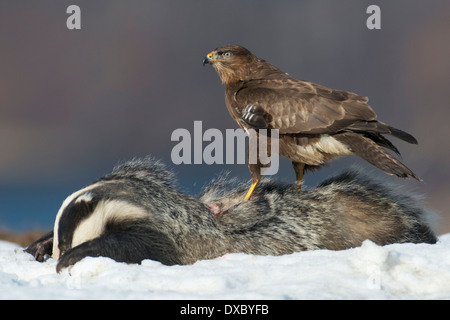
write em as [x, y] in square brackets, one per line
[316, 124]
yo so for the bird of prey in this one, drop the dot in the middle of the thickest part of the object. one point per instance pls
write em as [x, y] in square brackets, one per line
[316, 124]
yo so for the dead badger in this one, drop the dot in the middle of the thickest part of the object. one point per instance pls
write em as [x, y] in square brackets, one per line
[135, 213]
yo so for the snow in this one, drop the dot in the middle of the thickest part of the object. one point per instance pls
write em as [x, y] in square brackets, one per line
[397, 271]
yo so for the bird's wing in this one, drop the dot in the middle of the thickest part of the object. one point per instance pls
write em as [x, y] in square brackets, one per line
[295, 106]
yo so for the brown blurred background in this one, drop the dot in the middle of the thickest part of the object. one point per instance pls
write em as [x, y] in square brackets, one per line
[73, 103]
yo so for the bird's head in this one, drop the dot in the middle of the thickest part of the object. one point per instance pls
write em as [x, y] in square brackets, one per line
[232, 63]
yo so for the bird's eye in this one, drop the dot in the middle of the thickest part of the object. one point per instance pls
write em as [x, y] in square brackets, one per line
[227, 54]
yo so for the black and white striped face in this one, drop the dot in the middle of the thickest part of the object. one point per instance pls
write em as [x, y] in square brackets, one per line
[84, 215]
[77, 208]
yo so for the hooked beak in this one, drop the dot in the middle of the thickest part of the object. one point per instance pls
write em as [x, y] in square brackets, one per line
[208, 59]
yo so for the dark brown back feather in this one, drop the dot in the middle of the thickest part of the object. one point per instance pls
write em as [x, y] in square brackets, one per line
[296, 106]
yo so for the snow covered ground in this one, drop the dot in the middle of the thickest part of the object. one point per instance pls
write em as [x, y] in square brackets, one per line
[398, 271]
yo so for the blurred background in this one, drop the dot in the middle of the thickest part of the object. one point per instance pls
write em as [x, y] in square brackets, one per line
[73, 103]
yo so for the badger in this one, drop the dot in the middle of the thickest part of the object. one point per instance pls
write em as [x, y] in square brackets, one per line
[136, 213]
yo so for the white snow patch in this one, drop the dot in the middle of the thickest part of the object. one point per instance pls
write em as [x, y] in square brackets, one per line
[398, 271]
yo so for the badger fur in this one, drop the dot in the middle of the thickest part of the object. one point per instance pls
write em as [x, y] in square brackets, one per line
[135, 213]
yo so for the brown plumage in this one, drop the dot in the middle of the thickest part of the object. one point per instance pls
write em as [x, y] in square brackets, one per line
[316, 124]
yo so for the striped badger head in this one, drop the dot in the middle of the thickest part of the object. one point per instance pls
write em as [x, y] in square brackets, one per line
[116, 198]
[113, 213]
[85, 215]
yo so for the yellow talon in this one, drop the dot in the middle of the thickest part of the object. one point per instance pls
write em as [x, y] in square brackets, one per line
[250, 191]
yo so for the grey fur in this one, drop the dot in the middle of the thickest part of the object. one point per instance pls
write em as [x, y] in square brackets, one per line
[340, 213]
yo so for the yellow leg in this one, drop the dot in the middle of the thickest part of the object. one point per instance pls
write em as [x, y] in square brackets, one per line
[250, 191]
[300, 177]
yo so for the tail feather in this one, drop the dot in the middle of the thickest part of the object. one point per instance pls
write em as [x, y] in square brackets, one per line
[370, 151]
[380, 127]
[402, 135]
[381, 141]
